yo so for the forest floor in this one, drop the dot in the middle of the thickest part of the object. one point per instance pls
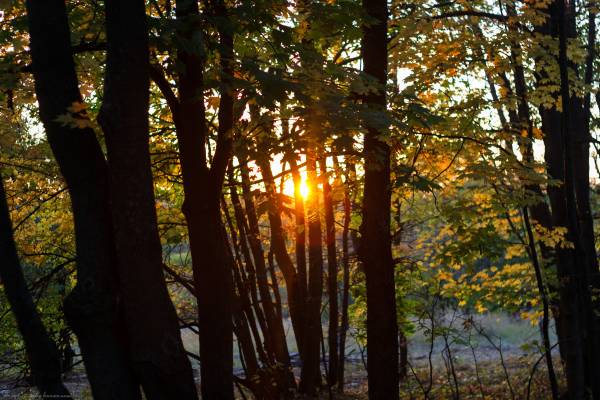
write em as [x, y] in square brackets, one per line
[430, 373]
[487, 382]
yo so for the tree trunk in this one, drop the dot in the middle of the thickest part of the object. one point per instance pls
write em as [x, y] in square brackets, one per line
[310, 375]
[42, 353]
[569, 320]
[540, 211]
[91, 308]
[202, 188]
[332, 270]
[300, 240]
[346, 288]
[156, 350]
[375, 243]
[243, 316]
[276, 333]
[245, 239]
[581, 111]
[214, 273]
[575, 362]
[284, 261]
[543, 293]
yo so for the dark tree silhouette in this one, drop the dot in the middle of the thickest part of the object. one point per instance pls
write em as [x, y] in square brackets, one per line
[156, 351]
[91, 308]
[42, 352]
[375, 243]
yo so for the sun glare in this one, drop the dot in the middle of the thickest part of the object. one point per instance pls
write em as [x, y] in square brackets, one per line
[304, 189]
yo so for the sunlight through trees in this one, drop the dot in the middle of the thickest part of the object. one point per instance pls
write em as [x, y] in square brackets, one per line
[315, 199]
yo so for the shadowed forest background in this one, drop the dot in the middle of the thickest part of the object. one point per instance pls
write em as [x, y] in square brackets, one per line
[279, 199]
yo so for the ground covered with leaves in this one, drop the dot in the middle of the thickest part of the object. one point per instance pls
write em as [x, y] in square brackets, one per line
[487, 380]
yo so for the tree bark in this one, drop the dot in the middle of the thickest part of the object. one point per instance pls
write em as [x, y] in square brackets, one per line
[91, 308]
[156, 349]
[202, 187]
[575, 362]
[375, 244]
[581, 111]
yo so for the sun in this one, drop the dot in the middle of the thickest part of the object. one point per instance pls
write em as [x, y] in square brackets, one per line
[304, 191]
[290, 189]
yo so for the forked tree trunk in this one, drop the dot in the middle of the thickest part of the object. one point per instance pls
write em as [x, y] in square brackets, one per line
[91, 307]
[156, 349]
[213, 269]
[202, 186]
[375, 244]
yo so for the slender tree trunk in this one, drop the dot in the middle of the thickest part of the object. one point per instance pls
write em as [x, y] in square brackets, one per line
[244, 322]
[279, 248]
[310, 374]
[245, 238]
[91, 308]
[522, 122]
[545, 304]
[42, 353]
[346, 288]
[300, 236]
[156, 350]
[276, 333]
[540, 211]
[279, 251]
[242, 332]
[332, 270]
[211, 261]
[275, 287]
[375, 243]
